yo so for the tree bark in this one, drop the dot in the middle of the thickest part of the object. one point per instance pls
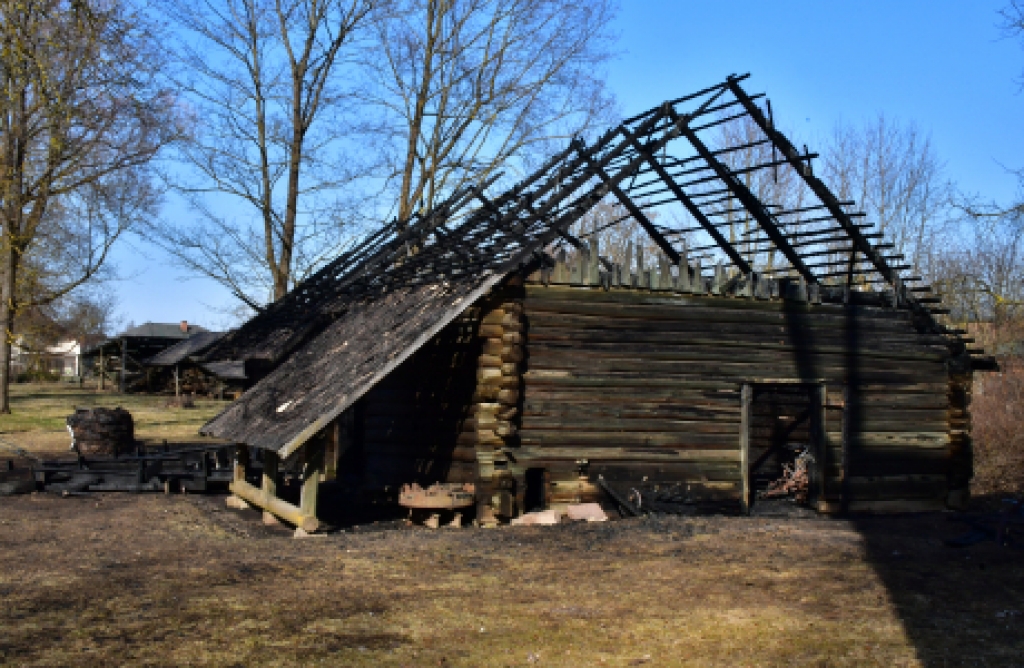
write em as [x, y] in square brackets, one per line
[7, 310]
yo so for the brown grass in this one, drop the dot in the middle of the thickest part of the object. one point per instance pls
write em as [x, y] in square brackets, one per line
[157, 580]
[154, 580]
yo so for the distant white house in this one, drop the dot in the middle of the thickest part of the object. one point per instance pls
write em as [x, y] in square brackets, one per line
[63, 359]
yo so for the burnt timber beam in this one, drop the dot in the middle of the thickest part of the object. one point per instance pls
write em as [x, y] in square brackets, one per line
[635, 211]
[746, 198]
[816, 185]
[698, 215]
[604, 188]
[589, 200]
[573, 240]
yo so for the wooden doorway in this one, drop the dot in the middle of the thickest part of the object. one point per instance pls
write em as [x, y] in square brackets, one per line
[782, 429]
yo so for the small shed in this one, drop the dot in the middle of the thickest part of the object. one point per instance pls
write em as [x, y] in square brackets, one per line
[123, 356]
[492, 341]
[177, 366]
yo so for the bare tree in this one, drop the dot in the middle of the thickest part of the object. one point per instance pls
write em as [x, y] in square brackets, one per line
[264, 166]
[80, 119]
[893, 174]
[463, 86]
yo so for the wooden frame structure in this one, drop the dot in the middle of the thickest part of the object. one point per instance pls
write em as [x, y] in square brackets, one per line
[465, 283]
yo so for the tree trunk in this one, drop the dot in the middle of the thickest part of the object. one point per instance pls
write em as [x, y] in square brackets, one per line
[9, 273]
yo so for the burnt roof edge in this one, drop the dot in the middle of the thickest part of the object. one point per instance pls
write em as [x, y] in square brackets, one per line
[300, 439]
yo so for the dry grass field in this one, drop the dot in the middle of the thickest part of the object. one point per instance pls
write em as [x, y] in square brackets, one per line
[38, 412]
[155, 580]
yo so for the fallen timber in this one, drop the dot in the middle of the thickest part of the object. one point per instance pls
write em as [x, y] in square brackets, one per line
[146, 469]
[489, 341]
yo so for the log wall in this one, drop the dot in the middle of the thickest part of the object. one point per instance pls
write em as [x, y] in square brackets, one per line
[643, 384]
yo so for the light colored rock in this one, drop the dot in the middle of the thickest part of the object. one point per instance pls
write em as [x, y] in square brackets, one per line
[537, 518]
[270, 519]
[588, 512]
[302, 533]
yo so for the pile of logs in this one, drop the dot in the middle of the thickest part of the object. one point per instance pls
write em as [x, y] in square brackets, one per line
[101, 431]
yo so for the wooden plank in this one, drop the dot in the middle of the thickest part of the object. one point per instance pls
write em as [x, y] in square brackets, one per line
[269, 482]
[312, 469]
[746, 395]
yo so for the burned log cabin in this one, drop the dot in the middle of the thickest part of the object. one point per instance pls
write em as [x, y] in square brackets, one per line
[747, 332]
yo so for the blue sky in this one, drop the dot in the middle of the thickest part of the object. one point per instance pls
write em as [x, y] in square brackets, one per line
[942, 64]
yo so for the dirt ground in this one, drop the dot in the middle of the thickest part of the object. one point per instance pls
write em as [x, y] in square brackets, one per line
[155, 580]
[106, 579]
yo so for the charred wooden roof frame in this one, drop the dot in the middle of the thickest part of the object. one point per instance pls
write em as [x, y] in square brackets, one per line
[472, 239]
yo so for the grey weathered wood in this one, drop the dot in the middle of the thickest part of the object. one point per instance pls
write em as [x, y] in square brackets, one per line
[744, 445]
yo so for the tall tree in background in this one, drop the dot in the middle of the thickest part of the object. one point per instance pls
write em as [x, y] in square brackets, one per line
[1013, 25]
[462, 86]
[893, 174]
[80, 119]
[263, 165]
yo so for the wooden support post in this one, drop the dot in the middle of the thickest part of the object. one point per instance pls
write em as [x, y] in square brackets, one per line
[746, 397]
[312, 468]
[103, 370]
[819, 444]
[123, 382]
[844, 501]
[269, 487]
[241, 462]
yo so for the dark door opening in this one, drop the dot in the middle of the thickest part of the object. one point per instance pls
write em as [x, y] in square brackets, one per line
[783, 424]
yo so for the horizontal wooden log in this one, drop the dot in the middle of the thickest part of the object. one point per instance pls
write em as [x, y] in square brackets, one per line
[644, 408]
[277, 507]
[501, 317]
[884, 506]
[562, 438]
[618, 454]
[885, 439]
[666, 301]
[499, 331]
[636, 426]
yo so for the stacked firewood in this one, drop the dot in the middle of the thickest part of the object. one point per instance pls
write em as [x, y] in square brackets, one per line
[101, 431]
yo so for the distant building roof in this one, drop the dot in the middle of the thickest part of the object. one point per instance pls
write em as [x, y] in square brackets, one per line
[161, 330]
[155, 331]
[180, 351]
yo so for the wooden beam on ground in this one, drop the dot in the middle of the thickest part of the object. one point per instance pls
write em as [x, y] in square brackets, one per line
[276, 506]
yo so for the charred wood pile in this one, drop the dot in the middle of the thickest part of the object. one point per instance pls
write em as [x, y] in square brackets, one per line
[101, 431]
